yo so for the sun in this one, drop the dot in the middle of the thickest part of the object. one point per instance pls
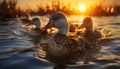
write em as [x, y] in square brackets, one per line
[82, 8]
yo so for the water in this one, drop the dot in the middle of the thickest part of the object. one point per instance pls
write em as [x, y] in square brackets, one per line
[16, 49]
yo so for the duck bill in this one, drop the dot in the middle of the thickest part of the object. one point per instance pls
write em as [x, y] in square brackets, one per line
[48, 26]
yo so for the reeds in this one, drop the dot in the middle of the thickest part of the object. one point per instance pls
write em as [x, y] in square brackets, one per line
[8, 9]
[68, 8]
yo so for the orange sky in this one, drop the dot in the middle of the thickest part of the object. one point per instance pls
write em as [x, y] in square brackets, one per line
[33, 3]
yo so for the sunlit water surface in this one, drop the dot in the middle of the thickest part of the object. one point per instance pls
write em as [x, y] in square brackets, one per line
[16, 48]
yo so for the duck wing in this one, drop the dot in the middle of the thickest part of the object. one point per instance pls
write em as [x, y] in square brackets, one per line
[60, 46]
[103, 34]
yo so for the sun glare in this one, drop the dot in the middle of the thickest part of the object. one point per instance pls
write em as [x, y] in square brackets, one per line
[82, 8]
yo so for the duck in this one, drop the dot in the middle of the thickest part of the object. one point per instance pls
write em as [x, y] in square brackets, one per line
[100, 33]
[89, 29]
[34, 29]
[59, 45]
[36, 34]
[62, 47]
[91, 38]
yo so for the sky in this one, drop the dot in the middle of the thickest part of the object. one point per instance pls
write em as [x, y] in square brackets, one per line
[24, 4]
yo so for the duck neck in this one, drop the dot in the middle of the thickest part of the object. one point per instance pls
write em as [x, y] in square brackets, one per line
[90, 30]
[38, 24]
[64, 29]
[89, 35]
[89, 27]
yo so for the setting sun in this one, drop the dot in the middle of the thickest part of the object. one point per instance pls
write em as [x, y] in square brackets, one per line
[82, 8]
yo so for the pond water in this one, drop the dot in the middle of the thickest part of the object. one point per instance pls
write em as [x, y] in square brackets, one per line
[16, 48]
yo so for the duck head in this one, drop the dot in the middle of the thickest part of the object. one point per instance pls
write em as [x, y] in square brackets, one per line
[37, 22]
[59, 21]
[87, 24]
[25, 16]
